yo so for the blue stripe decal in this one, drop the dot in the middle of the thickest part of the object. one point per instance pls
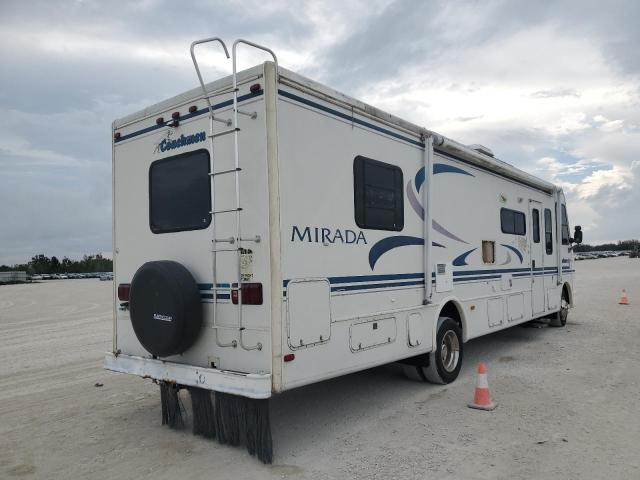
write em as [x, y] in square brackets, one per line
[459, 281]
[514, 250]
[374, 285]
[350, 118]
[383, 246]
[438, 168]
[466, 279]
[209, 286]
[461, 260]
[187, 116]
[444, 168]
[485, 272]
[221, 296]
[368, 278]
[419, 180]
[459, 275]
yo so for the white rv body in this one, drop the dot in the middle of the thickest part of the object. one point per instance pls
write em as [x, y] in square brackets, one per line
[337, 298]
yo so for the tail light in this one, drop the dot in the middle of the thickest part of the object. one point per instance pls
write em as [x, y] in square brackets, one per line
[251, 294]
[123, 292]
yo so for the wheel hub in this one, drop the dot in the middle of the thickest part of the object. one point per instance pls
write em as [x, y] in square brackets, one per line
[450, 351]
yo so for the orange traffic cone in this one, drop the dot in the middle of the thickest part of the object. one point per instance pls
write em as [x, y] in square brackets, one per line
[623, 299]
[482, 396]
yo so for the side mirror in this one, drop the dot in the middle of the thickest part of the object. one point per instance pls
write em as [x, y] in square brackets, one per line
[577, 235]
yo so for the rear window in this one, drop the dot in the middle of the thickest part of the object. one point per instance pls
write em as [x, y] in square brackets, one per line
[180, 193]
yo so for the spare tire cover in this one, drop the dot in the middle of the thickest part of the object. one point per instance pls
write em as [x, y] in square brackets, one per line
[166, 312]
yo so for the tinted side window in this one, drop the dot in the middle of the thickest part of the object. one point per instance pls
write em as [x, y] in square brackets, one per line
[565, 225]
[378, 195]
[536, 225]
[548, 232]
[512, 222]
[180, 193]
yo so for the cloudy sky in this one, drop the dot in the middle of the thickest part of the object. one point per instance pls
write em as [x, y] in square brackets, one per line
[552, 87]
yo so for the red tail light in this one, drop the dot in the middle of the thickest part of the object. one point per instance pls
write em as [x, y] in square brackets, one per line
[251, 294]
[289, 357]
[123, 291]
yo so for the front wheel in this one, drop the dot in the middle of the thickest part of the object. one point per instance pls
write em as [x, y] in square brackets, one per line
[443, 365]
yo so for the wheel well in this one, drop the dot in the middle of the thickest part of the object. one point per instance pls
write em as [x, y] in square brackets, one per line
[566, 288]
[450, 309]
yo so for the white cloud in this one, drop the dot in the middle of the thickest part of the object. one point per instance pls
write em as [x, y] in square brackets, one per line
[611, 126]
[553, 88]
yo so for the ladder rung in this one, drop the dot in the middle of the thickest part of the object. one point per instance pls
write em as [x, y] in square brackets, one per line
[215, 212]
[223, 172]
[225, 289]
[225, 240]
[224, 132]
[216, 250]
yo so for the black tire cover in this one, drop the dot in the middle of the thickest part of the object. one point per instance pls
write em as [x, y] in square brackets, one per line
[165, 307]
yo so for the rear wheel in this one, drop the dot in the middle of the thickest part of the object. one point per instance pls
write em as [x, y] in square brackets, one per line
[443, 365]
[560, 319]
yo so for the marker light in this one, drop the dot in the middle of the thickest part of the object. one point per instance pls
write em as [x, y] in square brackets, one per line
[251, 294]
[193, 109]
[175, 115]
[159, 121]
[123, 291]
[255, 88]
[289, 357]
[116, 136]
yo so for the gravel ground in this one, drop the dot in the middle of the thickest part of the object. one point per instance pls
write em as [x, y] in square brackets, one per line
[568, 402]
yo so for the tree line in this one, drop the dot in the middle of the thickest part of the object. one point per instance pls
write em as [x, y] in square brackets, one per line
[633, 245]
[40, 264]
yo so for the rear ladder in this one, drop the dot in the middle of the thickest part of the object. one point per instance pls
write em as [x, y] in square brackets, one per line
[236, 240]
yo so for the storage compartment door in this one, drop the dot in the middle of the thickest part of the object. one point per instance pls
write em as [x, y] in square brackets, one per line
[495, 311]
[308, 312]
[372, 333]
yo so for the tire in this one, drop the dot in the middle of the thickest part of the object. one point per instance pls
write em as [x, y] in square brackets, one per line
[165, 307]
[560, 318]
[435, 368]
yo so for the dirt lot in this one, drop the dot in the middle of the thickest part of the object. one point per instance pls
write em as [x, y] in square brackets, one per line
[568, 402]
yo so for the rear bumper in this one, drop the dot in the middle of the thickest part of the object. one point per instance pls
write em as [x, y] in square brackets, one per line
[244, 384]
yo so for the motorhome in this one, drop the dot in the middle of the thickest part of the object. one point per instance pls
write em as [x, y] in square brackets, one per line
[270, 232]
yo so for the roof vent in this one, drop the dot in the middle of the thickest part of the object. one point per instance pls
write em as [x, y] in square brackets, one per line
[482, 149]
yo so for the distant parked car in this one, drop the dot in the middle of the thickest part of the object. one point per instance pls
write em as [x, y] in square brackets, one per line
[106, 276]
[36, 277]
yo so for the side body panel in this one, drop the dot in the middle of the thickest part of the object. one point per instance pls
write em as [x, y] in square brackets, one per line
[375, 277]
